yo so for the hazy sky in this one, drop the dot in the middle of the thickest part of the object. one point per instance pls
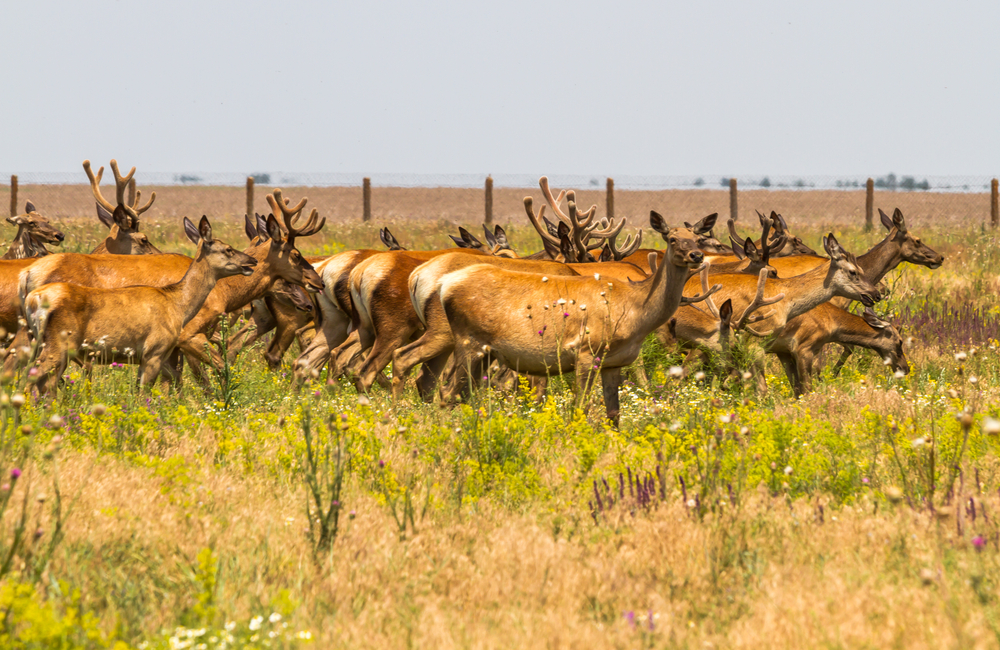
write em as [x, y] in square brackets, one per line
[503, 87]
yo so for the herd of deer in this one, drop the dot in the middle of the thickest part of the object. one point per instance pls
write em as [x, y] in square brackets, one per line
[583, 304]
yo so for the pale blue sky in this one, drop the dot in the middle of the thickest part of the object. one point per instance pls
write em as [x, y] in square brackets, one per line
[528, 87]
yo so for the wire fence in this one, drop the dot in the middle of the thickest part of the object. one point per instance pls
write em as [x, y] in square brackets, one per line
[473, 198]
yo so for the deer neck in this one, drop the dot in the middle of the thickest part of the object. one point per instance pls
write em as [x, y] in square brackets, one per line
[240, 290]
[658, 297]
[853, 330]
[192, 290]
[882, 258]
[806, 291]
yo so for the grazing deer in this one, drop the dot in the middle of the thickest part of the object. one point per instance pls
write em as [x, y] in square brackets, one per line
[799, 343]
[138, 323]
[33, 232]
[122, 220]
[551, 325]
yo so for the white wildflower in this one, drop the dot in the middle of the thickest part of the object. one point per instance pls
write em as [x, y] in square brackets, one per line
[274, 618]
[255, 623]
[676, 372]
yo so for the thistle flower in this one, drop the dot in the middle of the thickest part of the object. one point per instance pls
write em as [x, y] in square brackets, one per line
[15, 474]
[978, 542]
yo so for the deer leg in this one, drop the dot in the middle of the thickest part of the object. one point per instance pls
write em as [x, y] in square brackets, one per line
[380, 355]
[791, 370]
[343, 355]
[803, 366]
[436, 342]
[22, 338]
[331, 333]
[844, 356]
[611, 379]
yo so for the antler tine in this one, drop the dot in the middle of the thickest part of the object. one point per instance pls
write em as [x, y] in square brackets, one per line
[140, 210]
[732, 230]
[95, 185]
[311, 226]
[758, 302]
[706, 292]
[709, 303]
[536, 221]
[543, 183]
[283, 204]
[121, 182]
[611, 230]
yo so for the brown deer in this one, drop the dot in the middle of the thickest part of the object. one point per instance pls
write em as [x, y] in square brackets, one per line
[277, 257]
[33, 232]
[799, 343]
[897, 247]
[551, 325]
[121, 219]
[138, 323]
[435, 345]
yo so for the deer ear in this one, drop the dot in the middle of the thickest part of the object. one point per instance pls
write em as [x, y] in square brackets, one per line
[565, 244]
[832, 247]
[658, 223]
[104, 216]
[273, 229]
[250, 226]
[705, 226]
[874, 321]
[737, 249]
[461, 243]
[652, 258]
[491, 241]
[191, 231]
[726, 310]
[384, 239]
[29, 207]
[550, 249]
[884, 218]
[261, 227]
[501, 236]
[606, 254]
[205, 229]
[750, 250]
[898, 221]
[14, 221]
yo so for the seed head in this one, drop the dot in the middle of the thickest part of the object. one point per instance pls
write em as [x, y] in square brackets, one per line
[894, 494]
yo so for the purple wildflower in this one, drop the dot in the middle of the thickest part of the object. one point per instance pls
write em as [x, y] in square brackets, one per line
[15, 474]
[978, 542]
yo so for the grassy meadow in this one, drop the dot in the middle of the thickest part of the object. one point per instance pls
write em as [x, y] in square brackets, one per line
[866, 514]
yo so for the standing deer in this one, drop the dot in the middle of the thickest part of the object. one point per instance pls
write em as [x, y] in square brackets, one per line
[551, 325]
[137, 323]
[121, 219]
[33, 232]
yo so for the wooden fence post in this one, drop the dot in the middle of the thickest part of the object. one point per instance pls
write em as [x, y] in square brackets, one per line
[367, 191]
[733, 206]
[13, 196]
[994, 205]
[131, 191]
[250, 210]
[869, 204]
[611, 199]
[489, 200]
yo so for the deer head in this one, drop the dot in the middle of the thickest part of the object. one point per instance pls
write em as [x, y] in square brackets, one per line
[222, 258]
[122, 219]
[497, 241]
[912, 250]
[282, 256]
[34, 225]
[889, 342]
[846, 276]
[794, 246]
[759, 258]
